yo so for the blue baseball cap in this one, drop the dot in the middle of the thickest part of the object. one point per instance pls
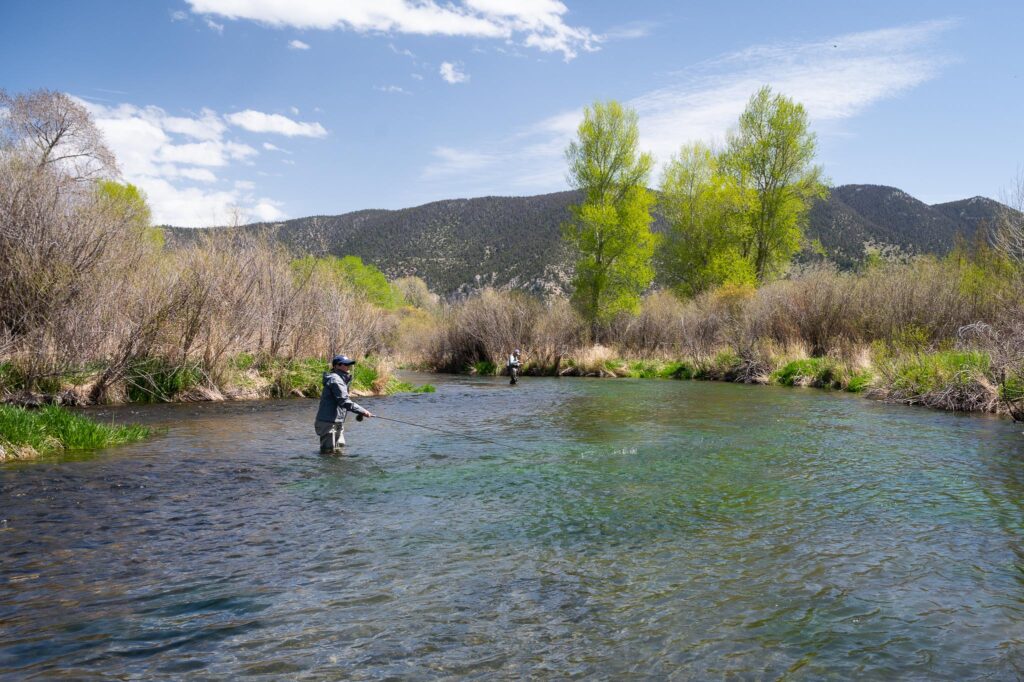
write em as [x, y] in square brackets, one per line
[342, 360]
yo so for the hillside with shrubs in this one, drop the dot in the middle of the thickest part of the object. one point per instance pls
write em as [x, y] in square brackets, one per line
[459, 246]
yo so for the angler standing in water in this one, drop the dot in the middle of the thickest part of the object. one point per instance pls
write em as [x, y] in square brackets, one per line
[513, 367]
[335, 405]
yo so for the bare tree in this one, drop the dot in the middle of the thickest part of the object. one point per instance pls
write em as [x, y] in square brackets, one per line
[1009, 234]
[46, 128]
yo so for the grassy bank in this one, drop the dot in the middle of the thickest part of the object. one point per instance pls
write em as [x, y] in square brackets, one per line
[25, 434]
[944, 379]
[242, 377]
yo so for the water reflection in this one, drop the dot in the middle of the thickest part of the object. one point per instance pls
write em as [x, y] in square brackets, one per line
[650, 529]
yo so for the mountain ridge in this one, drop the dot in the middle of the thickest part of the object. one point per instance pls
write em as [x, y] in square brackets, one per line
[460, 245]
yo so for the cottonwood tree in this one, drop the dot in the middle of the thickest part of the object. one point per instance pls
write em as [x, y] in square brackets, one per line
[705, 210]
[770, 156]
[610, 229]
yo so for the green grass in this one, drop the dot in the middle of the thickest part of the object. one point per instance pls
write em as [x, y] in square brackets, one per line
[11, 378]
[243, 361]
[859, 381]
[305, 376]
[155, 380]
[484, 368]
[718, 367]
[678, 369]
[1012, 389]
[924, 372]
[820, 372]
[52, 430]
[644, 369]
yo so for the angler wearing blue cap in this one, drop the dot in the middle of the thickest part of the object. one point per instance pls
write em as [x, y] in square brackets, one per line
[335, 405]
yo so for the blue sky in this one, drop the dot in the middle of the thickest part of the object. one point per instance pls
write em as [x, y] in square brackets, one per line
[274, 109]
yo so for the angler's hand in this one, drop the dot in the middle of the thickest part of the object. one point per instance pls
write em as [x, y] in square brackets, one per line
[368, 414]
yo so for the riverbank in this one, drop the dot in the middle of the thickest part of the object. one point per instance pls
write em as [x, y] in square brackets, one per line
[951, 379]
[244, 377]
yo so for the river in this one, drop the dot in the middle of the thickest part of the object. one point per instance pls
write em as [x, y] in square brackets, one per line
[621, 529]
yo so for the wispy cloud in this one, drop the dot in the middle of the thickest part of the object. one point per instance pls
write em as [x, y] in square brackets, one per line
[538, 23]
[451, 73]
[297, 45]
[393, 89]
[259, 122]
[630, 31]
[835, 79]
[214, 26]
[401, 51]
[452, 162]
[274, 148]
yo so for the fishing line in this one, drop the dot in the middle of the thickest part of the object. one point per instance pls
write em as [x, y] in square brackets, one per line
[452, 433]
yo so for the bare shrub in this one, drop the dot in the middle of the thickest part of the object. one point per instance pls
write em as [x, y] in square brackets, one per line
[557, 331]
[485, 327]
[656, 331]
[1009, 233]
[415, 292]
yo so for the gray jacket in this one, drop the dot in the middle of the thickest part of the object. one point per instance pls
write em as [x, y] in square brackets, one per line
[334, 400]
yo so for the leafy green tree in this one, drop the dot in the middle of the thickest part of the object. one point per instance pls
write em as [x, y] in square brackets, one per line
[770, 156]
[352, 273]
[705, 211]
[127, 205]
[610, 230]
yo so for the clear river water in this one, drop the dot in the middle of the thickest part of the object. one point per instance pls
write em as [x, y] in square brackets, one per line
[619, 529]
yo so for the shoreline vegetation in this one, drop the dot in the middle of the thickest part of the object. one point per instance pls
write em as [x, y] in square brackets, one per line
[96, 309]
[28, 434]
[920, 333]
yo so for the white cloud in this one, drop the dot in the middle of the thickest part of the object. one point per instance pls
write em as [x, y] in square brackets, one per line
[294, 110]
[536, 23]
[451, 73]
[178, 15]
[259, 122]
[274, 148]
[208, 126]
[416, 76]
[834, 79]
[188, 206]
[298, 45]
[214, 26]
[172, 159]
[267, 210]
[210, 153]
[394, 89]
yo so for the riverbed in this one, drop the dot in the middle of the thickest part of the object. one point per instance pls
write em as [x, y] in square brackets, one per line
[609, 529]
